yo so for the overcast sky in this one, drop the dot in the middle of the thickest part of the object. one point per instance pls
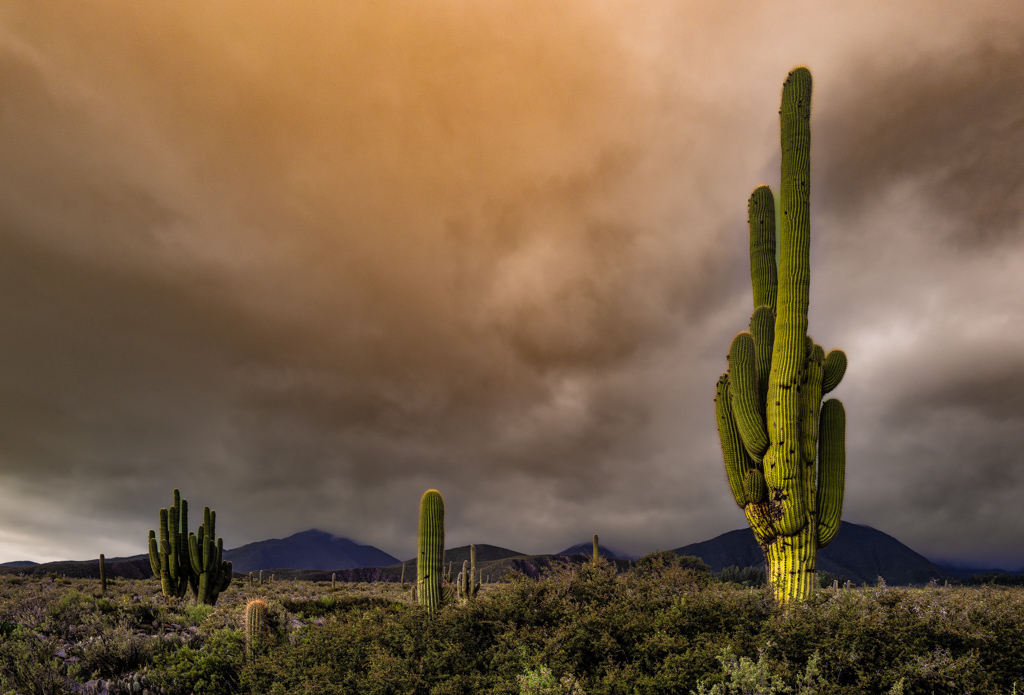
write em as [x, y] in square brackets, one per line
[305, 262]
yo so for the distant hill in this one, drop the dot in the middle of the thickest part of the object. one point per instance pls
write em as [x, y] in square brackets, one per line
[19, 563]
[308, 550]
[858, 553]
[587, 549]
[968, 572]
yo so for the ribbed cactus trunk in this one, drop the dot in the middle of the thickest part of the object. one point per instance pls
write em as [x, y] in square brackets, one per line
[784, 451]
[430, 555]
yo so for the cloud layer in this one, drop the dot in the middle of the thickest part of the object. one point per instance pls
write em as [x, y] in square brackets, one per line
[306, 265]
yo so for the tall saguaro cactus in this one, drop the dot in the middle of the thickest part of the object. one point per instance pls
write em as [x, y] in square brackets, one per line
[784, 450]
[430, 555]
[205, 556]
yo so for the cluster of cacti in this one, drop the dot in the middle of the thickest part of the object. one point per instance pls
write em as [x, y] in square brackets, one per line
[256, 630]
[103, 574]
[467, 586]
[430, 551]
[185, 560]
[784, 450]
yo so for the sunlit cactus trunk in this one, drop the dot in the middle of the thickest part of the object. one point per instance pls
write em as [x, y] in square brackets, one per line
[784, 451]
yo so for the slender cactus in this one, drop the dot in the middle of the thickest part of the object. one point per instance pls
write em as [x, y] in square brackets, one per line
[597, 555]
[430, 554]
[103, 575]
[784, 451]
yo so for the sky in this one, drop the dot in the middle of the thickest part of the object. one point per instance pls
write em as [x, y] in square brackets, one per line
[305, 262]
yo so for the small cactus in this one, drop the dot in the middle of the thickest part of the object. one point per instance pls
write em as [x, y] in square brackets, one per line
[256, 630]
[467, 586]
[597, 555]
[103, 575]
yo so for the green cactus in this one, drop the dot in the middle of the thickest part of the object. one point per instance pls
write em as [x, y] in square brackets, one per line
[168, 555]
[467, 585]
[214, 574]
[784, 450]
[597, 556]
[103, 575]
[430, 554]
[256, 631]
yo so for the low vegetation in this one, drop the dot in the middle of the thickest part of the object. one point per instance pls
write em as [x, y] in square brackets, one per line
[666, 626]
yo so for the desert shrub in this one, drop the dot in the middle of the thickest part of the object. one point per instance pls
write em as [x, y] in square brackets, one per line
[29, 664]
[212, 669]
[115, 652]
[933, 641]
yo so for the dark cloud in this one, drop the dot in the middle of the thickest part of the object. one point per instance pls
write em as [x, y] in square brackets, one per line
[305, 264]
[950, 127]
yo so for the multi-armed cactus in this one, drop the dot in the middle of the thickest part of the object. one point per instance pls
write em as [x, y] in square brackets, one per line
[168, 556]
[205, 556]
[784, 450]
[467, 585]
[430, 554]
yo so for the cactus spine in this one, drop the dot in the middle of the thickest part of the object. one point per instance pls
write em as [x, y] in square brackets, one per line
[430, 554]
[103, 575]
[168, 555]
[784, 451]
[214, 574]
[255, 626]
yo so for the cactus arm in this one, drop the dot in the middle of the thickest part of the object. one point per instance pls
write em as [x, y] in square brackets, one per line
[832, 470]
[835, 368]
[754, 486]
[193, 553]
[743, 395]
[762, 328]
[811, 397]
[763, 272]
[737, 461]
[154, 554]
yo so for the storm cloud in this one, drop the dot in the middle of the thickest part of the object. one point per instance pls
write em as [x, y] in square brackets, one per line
[304, 264]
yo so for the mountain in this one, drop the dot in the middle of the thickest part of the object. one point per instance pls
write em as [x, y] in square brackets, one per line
[968, 572]
[587, 549]
[19, 563]
[858, 553]
[308, 550]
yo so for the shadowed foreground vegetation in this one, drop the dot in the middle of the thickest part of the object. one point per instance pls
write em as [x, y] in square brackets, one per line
[663, 627]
